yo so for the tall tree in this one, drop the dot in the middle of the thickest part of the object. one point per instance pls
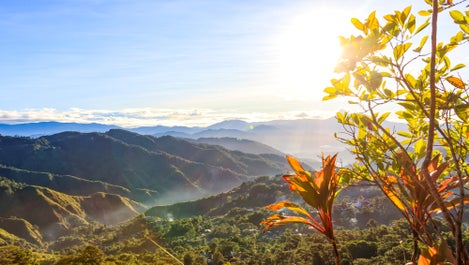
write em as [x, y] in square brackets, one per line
[390, 69]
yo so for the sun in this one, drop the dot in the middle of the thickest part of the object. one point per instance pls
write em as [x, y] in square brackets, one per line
[306, 51]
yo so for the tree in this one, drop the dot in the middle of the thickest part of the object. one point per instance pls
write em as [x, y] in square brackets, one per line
[217, 258]
[422, 170]
[16, 255]
[188, 258]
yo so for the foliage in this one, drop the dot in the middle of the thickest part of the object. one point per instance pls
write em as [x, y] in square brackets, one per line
[318, 192]
[423, 170]
[12, 255]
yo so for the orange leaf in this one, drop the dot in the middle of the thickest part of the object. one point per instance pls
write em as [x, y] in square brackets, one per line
[278, 220]
[457, 82]
[295, 165]
[391, 194]
[288, 205]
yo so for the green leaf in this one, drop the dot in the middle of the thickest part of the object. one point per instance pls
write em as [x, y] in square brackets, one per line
[462, 110]
[375, 80]
[388, 93]
[400, 49]
[405, 13]
[465, 28]
[423, 26]
[425, 13]
[383, 117]
[358, 24]
[408, 105]
[458, 66]
[422, 43]
[420, 147]
[457, 16]
[405, 134]
[372, 22]
[411, 24]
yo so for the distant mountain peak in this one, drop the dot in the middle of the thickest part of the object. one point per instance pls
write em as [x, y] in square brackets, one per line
[230, 124]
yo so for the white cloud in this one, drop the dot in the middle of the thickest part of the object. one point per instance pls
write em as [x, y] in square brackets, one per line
[135, 117]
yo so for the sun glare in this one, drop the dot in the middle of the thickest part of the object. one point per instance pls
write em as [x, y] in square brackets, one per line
[306, 51]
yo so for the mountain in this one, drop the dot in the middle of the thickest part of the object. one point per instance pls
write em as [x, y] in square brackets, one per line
[304, 138]
[230, 125]
[257, 193]
[163, 129]
[242, 145]
[63, 183]
[148, 167]
[54, 212]
[47, 128]
[51, 184]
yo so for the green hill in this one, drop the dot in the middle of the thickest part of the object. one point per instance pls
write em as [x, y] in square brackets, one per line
[135, 162]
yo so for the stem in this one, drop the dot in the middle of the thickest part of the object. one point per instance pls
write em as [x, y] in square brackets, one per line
[455, 226]
[336, 251]
[415, 254]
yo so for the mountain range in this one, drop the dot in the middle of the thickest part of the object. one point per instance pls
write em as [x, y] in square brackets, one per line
[52, 183]
[304, 138]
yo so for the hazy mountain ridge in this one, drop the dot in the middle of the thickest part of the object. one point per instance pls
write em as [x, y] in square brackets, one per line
[36, 129]
[54, 213]
[305, 138]
[242, 145]
[248, 195]
[70, 179]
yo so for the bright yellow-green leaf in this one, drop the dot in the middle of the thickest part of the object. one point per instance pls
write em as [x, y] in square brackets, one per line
[358, 24]
[425, 13]
[465, 28]
[422, 43]
[390, 18]
[457, 16]
[423, 26]
[400, 49]
[411, 24]
[462, 111]
[405, 134]
[420, 147]
[372, 22]
[383, 117]
[458, 66]
[456, 39]
[405, 13]
[329, 97]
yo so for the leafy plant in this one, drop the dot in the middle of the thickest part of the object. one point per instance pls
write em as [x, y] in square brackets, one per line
[390, 69]
[318, 191]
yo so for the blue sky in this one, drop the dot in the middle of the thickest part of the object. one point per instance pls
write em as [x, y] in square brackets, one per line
[152, 62]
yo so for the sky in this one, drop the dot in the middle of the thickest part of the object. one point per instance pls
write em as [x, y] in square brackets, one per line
[170, 62]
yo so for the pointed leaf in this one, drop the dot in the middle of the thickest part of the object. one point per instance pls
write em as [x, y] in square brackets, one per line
[457, 82]
[391, 194]
[457, 16]
[295, 165]
[358, 24]
[423, 26]
[288, 205]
